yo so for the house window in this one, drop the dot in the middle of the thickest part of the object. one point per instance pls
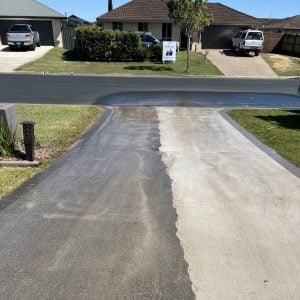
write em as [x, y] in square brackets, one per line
[166, 31]
[143, 27]
[117, 26]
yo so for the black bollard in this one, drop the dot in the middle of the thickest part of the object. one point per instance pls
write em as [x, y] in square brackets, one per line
[29, 140]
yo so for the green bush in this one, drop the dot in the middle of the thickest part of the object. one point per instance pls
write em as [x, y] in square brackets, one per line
[8, 141]
[156, 54]
[141, 53]
[92, 43]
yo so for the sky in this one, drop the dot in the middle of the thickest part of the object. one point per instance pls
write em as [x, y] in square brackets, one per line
[90, 9]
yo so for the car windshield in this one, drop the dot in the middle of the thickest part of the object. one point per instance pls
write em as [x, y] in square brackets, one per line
[254, 36]
[19, 28]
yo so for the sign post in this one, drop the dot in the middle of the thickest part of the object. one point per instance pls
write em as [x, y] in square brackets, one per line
[169, 51]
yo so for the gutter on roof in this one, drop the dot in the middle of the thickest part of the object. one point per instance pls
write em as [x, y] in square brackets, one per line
[30, 17]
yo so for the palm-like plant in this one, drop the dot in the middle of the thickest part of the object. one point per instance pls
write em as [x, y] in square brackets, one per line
[8, 140]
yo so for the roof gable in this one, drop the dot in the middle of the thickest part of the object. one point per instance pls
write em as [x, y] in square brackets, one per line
[157, 11]
[27, 8]
[288, 23]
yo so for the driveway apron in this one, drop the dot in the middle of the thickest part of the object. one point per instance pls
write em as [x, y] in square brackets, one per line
[99, 224]
[11, 60]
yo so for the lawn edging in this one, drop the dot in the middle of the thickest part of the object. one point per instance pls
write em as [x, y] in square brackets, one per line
[9, 197]
[266, 149]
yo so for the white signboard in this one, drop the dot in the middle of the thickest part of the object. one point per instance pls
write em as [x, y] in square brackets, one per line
[169, 51]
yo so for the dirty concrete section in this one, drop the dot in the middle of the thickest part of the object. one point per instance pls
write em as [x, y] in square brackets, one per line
[238, 209]
[99, 224]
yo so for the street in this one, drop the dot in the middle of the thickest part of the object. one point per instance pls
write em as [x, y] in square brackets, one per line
[113, 90]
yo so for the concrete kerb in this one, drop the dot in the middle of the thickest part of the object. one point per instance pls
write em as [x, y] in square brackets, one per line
[19, 163]
[146, 76]
[270, 152]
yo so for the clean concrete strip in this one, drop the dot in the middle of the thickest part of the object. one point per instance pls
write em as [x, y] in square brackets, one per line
[238, 209]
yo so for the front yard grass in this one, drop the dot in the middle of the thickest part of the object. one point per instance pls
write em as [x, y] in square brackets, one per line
[57, 127]
[283, 65]
[279, 129]
[61, 60]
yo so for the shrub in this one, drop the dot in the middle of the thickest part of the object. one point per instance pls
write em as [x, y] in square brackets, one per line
[141, 53]
[8, 141]
[156, 54]
[92, 43]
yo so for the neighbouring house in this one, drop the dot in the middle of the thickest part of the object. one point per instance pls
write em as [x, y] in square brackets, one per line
[285, 35]
[74, 21]
[287, 25]
[45, 20]
[152, 15]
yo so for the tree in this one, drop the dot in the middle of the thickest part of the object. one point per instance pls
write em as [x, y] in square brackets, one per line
[193, 15]
[110, 5]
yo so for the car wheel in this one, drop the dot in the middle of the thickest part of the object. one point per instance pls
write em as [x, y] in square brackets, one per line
[38, 44]
[11, 48]
[32, 47]
[256, 53]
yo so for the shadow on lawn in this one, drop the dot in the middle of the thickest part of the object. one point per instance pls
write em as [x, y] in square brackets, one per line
[286, 121]
[149, 68]
[70, 55]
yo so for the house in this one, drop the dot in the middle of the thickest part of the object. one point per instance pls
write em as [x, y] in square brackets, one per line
[74, 21]
[45, 20]
[152, 15]
[285, 34]
[287, 25]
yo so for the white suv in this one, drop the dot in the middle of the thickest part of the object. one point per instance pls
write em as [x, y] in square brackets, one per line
[249, 41]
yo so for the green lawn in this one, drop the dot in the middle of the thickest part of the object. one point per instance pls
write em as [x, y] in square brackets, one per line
[60, 60]
[277, 128]
[283, 65]
[58, 126]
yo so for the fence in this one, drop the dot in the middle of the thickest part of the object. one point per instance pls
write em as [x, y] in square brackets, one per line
[68, 35]
[282, 43]
[290, 44]
[272, 41]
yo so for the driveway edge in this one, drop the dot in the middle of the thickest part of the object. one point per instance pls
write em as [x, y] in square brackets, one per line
[269, 151]
[28, 184]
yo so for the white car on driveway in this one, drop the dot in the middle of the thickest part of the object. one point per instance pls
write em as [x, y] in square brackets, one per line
[248, 41]
[21, 36]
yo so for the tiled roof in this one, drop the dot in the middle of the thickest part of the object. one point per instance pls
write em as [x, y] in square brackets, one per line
[27, 8]
[157, 11]
[288, 23]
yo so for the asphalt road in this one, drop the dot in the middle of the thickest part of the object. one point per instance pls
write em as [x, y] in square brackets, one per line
[112, 90]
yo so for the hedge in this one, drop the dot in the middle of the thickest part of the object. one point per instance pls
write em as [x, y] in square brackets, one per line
[93, 43]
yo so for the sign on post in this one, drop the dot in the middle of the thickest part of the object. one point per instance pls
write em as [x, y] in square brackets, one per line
[169, 51]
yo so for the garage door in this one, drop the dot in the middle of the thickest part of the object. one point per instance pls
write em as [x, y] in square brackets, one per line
[218, 37]
[43, 27]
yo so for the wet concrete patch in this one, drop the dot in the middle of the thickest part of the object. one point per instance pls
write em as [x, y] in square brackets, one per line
[98, 223]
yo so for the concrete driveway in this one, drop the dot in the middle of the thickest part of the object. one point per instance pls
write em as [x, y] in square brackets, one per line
[155, 203]
[11, 60]
[232, 64]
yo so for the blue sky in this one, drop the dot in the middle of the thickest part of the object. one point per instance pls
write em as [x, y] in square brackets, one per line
[90, 9]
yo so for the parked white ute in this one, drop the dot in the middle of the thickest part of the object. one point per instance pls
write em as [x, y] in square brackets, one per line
[248, 41]
[22, 35]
